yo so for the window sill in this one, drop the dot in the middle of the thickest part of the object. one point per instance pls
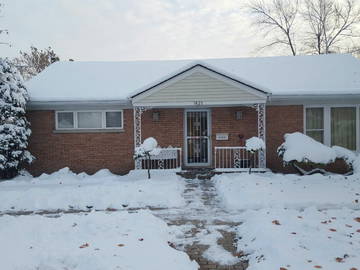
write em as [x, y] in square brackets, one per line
[61, 131]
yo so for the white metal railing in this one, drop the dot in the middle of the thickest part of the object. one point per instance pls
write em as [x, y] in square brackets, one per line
[169, 158]
[235, 157]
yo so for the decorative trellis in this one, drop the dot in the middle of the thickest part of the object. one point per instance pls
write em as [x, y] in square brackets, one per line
[237, 158]
[138, 111]
[261, 111]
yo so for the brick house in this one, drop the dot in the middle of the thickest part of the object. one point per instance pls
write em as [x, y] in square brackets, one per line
[90, 115]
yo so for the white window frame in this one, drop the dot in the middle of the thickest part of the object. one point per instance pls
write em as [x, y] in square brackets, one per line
[327, 121]
[103, 120]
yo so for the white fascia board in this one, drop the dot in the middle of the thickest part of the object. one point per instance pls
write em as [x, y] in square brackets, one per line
[314, 99]
[90, 104]
[204, 104]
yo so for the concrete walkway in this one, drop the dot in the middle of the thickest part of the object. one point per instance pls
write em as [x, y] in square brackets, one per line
[208, 231]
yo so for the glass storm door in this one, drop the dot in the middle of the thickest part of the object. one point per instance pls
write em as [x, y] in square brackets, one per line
[197, 138]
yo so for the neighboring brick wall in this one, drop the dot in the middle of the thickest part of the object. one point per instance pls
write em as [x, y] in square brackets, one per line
[87, 152]
[281, 120]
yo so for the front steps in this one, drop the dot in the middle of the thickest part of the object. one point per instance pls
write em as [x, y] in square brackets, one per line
[201, 173]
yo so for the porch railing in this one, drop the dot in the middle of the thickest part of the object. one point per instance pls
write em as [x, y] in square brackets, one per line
[235, 158]
[169, 158]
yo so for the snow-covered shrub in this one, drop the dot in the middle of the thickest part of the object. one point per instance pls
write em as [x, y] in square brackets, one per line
[351, 158]
[303, 149]
[147, 149]
[254, 145]
[14, 128]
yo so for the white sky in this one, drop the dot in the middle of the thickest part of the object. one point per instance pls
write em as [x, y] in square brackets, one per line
[129, 29]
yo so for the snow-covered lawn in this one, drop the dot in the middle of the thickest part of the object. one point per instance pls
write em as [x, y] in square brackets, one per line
[93, 241]
[65, 190]
[275, 238]
[257, 191]
[295, 223]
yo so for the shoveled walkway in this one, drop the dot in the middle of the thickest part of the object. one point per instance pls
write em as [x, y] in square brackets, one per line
[206, 230]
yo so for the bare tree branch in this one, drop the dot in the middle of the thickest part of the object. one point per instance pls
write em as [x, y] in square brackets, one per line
[324, 26]
[278, 17]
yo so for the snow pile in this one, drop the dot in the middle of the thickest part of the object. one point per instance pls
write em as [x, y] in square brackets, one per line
[290, 239]
[302, 148]
[93, 241]
[66, 190]
[254, 144]
[256, 191]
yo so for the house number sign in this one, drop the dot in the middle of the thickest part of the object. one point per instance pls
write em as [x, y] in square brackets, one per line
[222, 136]
[198, 102]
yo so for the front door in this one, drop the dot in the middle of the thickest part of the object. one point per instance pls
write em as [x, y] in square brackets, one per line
[197, 137]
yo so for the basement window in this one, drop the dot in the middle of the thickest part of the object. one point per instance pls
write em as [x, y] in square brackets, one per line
[89, 120]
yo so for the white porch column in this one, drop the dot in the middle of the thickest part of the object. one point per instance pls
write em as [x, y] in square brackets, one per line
[138, 111]
[261, 111]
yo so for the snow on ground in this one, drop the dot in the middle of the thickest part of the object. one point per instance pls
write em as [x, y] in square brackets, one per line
[295, 222]
[257, 191]
[293, 240]
[92, 241]
[65, 190]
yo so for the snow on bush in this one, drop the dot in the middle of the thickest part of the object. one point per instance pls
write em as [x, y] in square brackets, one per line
[14, 128]
[65, 190]
[254, 144]
[302, 148]
[351, 158]
[94, 241]
[147, 149]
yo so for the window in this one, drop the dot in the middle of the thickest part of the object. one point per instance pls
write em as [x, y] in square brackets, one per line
[89, 120]
[334, 125]
[315, 123]
[113, 119]
[343, 127]
[65, 120]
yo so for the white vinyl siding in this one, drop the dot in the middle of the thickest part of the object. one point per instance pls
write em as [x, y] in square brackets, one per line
[202, 88]
[89, 120]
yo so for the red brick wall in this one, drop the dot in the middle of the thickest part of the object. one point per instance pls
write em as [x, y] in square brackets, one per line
[281, 120]
[90, 152]
[224, 121]
[168, 131]
[87, 152]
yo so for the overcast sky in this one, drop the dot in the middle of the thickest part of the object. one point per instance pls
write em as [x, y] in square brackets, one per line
[129, 29]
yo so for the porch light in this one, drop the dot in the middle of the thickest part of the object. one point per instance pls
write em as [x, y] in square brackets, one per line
[239, 115]
[156, 116]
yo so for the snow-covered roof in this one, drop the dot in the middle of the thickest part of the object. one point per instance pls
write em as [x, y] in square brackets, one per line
[283, 75]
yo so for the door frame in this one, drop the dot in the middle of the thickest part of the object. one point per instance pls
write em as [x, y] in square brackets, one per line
[208, 164]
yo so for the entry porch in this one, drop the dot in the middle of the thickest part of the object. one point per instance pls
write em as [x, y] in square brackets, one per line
[201, 118]
[199, 137]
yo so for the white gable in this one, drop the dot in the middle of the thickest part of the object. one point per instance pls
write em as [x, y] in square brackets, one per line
[199, 86]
